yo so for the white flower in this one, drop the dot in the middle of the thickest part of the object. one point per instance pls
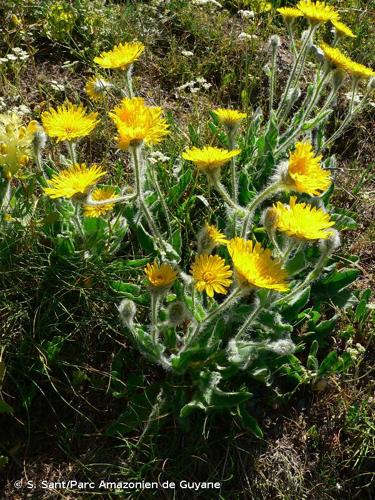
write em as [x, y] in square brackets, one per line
[206, 86]
[205, 2]
[246, 14]
[187, 53]
[3, 60]
[11, 57]
[157, 156]
[200, 79]
[246, 36]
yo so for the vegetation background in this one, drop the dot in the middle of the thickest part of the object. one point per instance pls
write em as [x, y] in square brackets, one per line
[60, 337]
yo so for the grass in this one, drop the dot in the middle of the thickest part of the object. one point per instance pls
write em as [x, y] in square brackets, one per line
[60, 340]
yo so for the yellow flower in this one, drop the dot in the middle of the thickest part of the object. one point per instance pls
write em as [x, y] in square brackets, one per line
[289, 13]
[15, 143]
[339, 60]
[95, 88]
[255, 266]
[209, 157]
[74, 181]
[302, 221]
[215, 235]
[317, 12]
[305, 173]
[100, 194]
[160, 277]
[229, 117]
[211, 275]
[121, 56]
[342, 29]
[69, 122]
[137, 122]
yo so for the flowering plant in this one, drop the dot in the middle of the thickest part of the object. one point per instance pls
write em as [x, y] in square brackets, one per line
[226, 322]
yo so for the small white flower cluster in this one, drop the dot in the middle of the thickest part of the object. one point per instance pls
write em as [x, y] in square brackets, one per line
[20, 110]
[17, 54]
[206, 2]
[355, 351]
[246, 14]
[55, 85]
[195, 85]
[187, 53]
[157, 157]
[246, 36]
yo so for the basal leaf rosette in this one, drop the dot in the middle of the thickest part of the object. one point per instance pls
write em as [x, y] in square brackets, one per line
[303, 172]
[121, 56]
[255, 267]
[137, 123]
[211, 274]
[69, 122]
[74, 182]
[301, 220]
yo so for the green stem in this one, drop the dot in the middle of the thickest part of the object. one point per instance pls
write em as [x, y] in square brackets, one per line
[139, 178]
[272, 81]
[77, 218]
[72, 151]
[162, 201]
[300, 58]
[154, 316]
[228, 200]
[258, 307]
[7, 196]
[237, 292]
[129, 82]
[263, 195]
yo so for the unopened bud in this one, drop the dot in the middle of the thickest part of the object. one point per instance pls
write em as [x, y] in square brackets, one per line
[283, 347]
[177, 313]
[317, 53]
[332, 242]
[293, 95]
[269, 219]
[275, 42]
[127, 310]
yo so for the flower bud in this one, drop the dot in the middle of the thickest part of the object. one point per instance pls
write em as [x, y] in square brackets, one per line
[127, 310]
[177, 313]
[274, 42]
[269, 219]
[283, 347]
[317, 53]
[332, 243]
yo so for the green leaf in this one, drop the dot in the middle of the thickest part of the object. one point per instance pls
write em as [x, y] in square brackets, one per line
[249, 422]
[144, 238]
[5, 408]
[362, 311]
[125, 288]
[329, 364]
[194, 355]
[291, 309]
[220, 399]
[189, 408]
[179, 189]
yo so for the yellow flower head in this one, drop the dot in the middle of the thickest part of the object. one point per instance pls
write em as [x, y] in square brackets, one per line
[121, 56]
[305, 173]
[209, 157]
[160, 277]
[100, 194]
[302, 221]
[342, 29]
[229, 117]
[317, 12]
[74, 181]
[211, 275]
[255, 266]
[289, 13]
[215, 235]
[15, 143]
[137, 122]
[69, 122]
[96, 87]
[339, 60]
